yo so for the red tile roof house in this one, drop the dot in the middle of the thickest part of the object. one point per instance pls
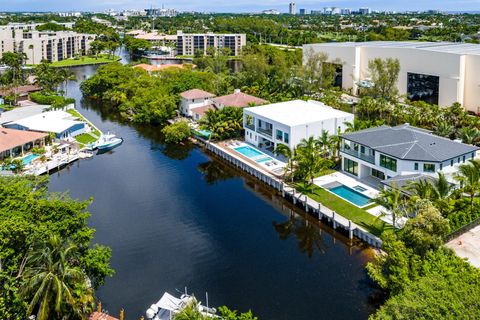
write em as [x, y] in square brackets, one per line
[237, 99]
[16, 142]
[194, 98]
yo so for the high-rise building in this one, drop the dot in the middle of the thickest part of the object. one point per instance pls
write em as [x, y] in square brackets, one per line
[188, 44]
[336, 10]
[303, 11]
[346, 11]
[364, 11]
[292, 8]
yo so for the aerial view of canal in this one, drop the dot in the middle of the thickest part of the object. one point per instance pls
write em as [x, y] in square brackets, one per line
[176, 217]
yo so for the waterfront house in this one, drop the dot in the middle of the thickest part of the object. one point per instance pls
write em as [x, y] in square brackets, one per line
[14, 143]
[61, 123]
[401, 153]
[237, 99]
[194, 98]
[290, 122]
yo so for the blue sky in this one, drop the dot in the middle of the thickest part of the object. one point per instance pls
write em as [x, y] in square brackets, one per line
[234, 6]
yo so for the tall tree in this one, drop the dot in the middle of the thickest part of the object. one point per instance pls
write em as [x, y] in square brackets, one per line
[384, 76]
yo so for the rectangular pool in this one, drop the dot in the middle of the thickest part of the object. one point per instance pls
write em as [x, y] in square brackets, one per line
[248, 152]
[350, 195]
[28, 159]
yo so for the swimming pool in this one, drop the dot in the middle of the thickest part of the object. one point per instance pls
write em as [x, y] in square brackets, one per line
[253, 154]
[28, 159]
[350, 195]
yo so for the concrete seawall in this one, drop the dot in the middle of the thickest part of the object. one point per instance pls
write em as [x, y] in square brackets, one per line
[310, 206]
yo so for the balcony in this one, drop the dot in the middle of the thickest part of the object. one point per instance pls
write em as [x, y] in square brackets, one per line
[250, 126]
[266, 132]
[359, 155]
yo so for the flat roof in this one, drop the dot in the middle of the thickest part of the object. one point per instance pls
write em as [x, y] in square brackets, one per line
[444, 47]
[51, 121]
[21, 113]
[297, 112]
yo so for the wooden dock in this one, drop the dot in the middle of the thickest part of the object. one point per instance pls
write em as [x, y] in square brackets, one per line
[310, 206]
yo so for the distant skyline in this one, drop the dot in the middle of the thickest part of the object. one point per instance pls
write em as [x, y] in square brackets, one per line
[236, 6]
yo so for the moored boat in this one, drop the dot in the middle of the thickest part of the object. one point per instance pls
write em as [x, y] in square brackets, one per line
[108, 141]
[168, 306]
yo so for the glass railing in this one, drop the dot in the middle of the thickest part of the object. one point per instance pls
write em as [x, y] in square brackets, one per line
[250, 126]
[266, 132]
[359, 155]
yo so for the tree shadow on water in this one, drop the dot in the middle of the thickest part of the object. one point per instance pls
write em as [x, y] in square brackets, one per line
[214, 171]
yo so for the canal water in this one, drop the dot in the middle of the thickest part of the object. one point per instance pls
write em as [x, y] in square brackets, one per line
[175, 217]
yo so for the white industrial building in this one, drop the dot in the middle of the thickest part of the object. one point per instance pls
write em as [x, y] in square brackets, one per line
[290, 122]
[436, 72]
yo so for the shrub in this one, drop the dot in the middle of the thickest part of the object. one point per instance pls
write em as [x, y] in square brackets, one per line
[53, 100]
[177, 132]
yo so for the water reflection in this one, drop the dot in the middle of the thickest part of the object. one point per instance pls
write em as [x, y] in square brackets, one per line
[215, 171]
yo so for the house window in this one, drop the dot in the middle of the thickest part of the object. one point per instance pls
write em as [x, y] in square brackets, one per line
[378, 174]
[350, 166]
[416, 166]
[279, 134]
[285, 137]
[451, 162]
[429, 167]
[473, 155]
[441, 166]
[362, 149]
[388, 163]
[355, 147]
[463, 158]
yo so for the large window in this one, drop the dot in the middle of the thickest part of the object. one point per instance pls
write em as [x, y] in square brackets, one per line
[378, 174]
[350, 166]
[285, 137]
[388, 163]
[279, 134]
[423, 87]
[428, 167]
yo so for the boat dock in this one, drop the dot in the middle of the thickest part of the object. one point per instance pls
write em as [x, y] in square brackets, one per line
[312, 207]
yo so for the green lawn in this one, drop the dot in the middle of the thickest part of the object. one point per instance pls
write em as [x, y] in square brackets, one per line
[358, 216]
[84, 60]
[76, 114]
[85, 138]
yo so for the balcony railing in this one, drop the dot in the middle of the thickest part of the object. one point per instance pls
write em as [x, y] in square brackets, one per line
[267, 132]
[359, 155]
[250, 126]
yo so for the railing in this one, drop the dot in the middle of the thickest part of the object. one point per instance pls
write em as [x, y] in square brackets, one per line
[359, 155]
[266, 132]
[250, 126]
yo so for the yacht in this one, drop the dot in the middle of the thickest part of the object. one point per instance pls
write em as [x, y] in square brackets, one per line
[168, 306]
[107, 141]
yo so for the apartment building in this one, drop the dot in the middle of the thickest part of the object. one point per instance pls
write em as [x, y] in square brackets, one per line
[44, 45]
[188, 43]
[435, 72]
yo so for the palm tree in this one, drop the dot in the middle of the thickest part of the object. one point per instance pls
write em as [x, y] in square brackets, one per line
[65, 76]
[469, 177]
[309, 160]
[391, 199]
[289, 154]
[469, 135]
[444, 129]
[324, 142]
[50, 281]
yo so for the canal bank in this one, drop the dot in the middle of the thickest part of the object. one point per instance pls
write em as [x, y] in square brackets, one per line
[175, 217]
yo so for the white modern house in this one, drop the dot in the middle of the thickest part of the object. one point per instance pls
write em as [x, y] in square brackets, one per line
[436, 72]
[401, 154]
[290, 122]
[61, 123]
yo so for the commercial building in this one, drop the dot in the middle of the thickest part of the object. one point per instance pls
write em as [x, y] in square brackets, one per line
[163, 12]
[289, 122]
[188, 43]
[303, 12]
[436, 72]
[395, 155]
[61, 123]
[44, 45]
[364, 11]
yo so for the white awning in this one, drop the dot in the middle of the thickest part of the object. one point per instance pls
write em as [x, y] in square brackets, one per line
[169, 302]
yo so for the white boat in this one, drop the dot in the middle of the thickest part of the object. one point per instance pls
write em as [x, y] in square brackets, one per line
[168, 306]
[107, 141]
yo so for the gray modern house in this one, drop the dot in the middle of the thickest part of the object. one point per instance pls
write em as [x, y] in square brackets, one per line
[397, 153]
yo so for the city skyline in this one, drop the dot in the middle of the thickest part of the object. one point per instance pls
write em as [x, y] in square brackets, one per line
[238, 6]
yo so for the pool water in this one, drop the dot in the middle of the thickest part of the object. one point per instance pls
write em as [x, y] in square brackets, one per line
[28, 159]
[248, 152]
[351, 195]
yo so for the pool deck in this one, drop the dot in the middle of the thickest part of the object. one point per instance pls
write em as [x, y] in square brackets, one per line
[467, 246]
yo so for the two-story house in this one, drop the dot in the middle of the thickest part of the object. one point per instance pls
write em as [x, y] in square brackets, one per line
[387, 153]
[289, 122]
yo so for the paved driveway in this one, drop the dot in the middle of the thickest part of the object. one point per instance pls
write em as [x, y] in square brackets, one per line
[467, 246]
